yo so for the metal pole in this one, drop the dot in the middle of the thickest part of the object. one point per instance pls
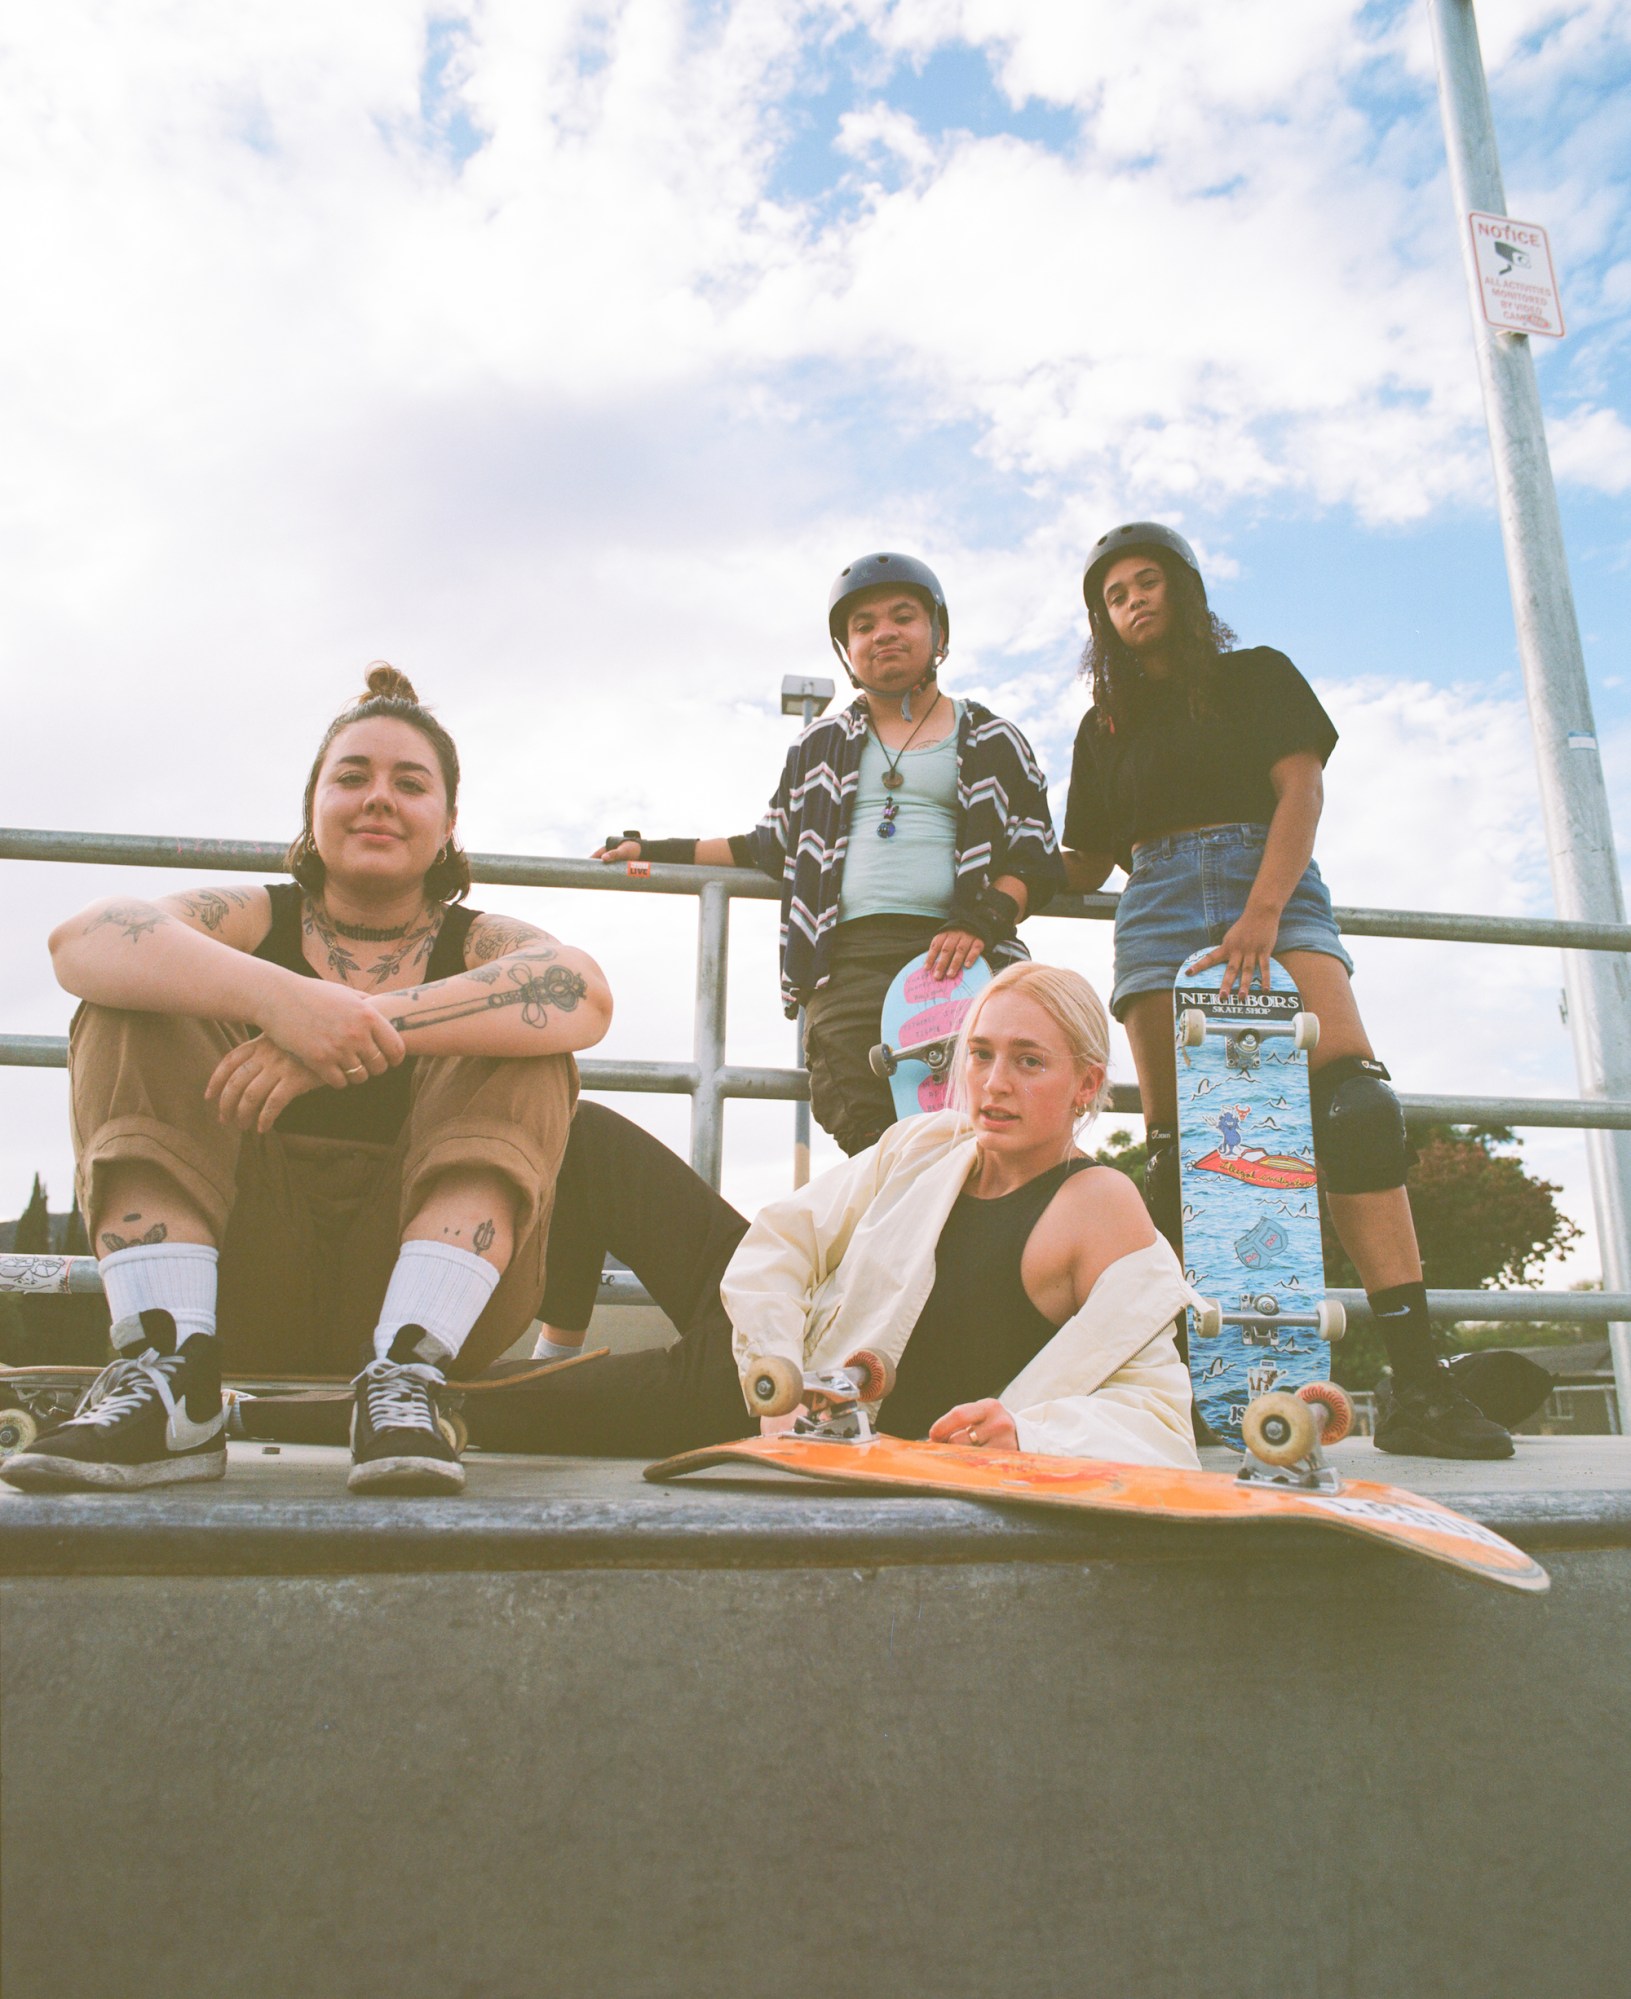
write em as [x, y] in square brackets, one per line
[708, 1105]
[801, 1110]
[1574, 799]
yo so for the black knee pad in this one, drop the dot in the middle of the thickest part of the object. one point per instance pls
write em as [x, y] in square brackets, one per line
[1359, 1134]
[1163, 1194]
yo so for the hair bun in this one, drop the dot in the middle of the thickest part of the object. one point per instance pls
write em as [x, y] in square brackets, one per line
[387, 683]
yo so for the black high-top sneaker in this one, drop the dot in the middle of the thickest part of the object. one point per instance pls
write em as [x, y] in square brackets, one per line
[1433, 1419]
[398, 1441]
[153, 1417]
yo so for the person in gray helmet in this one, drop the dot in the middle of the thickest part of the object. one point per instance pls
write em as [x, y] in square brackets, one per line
[911, 821]
[1199, 769]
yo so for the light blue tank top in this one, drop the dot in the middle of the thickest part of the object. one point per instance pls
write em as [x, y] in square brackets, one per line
[912, 873]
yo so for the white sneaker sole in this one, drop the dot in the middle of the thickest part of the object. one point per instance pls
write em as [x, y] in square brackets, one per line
[411, 1475]
[41, 1471]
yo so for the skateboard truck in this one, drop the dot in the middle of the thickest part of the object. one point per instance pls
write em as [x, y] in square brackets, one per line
[834, 1402]
[1329, 1318]
[935, 1056]
[1284, 1437]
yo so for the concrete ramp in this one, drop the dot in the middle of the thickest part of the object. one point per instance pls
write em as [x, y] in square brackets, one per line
[576, 1734]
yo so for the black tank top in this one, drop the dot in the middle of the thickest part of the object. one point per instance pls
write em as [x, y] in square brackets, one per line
[978, 1327]
[373, 1112]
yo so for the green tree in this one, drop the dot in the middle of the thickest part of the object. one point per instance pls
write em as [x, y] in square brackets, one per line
[34, 1224]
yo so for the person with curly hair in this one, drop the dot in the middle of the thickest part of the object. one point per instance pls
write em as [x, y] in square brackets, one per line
[1199, 769]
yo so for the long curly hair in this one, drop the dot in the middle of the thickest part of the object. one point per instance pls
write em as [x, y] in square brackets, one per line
[1199, 639]
[391, 694]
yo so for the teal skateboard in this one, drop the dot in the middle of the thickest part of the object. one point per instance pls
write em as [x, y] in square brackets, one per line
[1250, 1201]
[922, 1017]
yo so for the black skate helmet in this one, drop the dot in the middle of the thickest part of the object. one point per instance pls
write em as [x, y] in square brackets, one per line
[1128, 540]
[869, 572]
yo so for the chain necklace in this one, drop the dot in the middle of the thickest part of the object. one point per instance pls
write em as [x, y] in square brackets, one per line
[894, 777]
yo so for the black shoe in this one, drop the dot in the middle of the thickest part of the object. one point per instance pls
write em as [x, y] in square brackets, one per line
[398, 1442]
[1433, 1419]
[153, 1417]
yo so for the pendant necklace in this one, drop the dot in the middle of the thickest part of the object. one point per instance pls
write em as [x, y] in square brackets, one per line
[893, 777]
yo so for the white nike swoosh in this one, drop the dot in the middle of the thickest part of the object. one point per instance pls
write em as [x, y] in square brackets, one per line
[181, 1433]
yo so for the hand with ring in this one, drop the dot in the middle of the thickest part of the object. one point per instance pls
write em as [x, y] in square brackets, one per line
[253, 1083]
[984, 1425]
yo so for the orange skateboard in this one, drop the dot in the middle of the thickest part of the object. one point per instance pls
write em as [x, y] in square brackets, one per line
[271, 1408]
[1284, 1476]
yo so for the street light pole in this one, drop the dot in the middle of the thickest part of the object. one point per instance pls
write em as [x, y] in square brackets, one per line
[1574, 798]
[807, 698]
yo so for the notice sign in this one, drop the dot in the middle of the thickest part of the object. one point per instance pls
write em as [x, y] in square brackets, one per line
[1515, 278]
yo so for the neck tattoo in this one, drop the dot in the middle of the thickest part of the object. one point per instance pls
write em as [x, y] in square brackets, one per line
[414, 943]
[360, 933]
[893, 777]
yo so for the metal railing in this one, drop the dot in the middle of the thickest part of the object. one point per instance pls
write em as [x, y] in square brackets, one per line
[710, 1081]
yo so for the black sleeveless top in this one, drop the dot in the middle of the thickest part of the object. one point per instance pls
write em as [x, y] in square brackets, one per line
[978, 1327]
[373, 1112]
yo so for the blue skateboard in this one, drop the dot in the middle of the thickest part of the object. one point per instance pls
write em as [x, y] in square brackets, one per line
[922, 1017]
[1250, 1202]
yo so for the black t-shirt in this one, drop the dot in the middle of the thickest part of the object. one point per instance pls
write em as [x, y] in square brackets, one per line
[1165, 769]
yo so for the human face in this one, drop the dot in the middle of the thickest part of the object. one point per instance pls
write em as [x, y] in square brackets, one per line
[891, 639]
[1022, 1082]
[1137, 603]
[379, 810]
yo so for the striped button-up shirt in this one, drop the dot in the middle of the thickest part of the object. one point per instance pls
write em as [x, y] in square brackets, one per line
[1003, 828]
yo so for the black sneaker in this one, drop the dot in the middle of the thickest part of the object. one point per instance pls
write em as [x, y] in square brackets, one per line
[398, 1440]
[1433, 1419]
[153, 1417]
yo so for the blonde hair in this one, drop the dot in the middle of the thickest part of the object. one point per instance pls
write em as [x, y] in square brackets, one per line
[1069, 1002]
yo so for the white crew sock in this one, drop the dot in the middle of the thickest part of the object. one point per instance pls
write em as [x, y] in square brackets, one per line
[174, 1277]
[439, 1288]
[545, 1348]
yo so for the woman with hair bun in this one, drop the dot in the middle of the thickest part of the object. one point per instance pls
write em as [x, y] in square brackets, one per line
[1200, 770]
[1020, 1289]
[325, 1115]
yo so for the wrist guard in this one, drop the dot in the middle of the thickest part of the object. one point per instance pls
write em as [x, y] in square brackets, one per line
[669, 850]
[992, 916]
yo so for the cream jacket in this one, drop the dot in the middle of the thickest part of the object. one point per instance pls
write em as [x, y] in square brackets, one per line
[849, 1262]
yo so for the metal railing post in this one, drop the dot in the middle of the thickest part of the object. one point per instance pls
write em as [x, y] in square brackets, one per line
[1574, 798]
[708, 1105]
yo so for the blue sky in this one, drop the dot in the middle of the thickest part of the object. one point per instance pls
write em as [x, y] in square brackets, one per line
[563, 354]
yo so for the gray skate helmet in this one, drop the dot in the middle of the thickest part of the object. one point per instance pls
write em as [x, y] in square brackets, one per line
[1128, 540]
[869, 572]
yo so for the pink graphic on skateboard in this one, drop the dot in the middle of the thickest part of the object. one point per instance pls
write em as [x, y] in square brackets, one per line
[922, 1017]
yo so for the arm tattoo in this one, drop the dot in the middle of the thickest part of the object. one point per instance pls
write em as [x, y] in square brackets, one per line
[111, 1242]
[485, 1232]
[211, 907]
[559, 987]
[135, 919]
[498, 936]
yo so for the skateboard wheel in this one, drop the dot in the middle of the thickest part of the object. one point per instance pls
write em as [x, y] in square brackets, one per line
[1331, 1319]
[1191, 1027]
[874, 1373]
[1339, 1411]
[1279, 1429]
[1208, 1319]
[881, 1061]
[456, 1430]
[1305, 1032]
[18, 1430]
[775, 1387]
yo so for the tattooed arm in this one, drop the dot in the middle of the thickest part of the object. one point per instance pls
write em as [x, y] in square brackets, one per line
[522, 993]
[164, 957]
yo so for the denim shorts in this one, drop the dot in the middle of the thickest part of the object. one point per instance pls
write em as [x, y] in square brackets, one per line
[1185, 891]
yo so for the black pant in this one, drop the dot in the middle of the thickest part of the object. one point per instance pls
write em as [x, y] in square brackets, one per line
[843, 1023]
[622, 1191]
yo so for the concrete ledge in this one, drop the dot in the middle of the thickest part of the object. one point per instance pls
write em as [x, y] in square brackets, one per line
[287, 1512]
